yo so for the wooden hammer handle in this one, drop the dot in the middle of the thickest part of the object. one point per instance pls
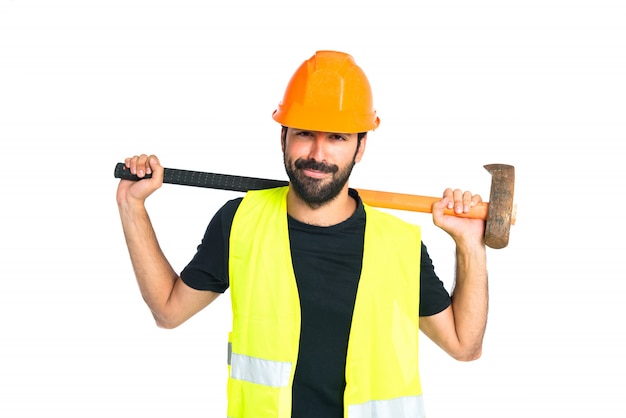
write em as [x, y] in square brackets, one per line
[416, 203]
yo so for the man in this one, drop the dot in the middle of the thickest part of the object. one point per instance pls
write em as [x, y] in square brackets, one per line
[327, 293]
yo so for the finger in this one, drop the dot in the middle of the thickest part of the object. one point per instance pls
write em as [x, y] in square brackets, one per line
[467, 201]
[154, 167]
[448, 198]
[476, 199]
[142, 163]
[132, 164]
[458, 200]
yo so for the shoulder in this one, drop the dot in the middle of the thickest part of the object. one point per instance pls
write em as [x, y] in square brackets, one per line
[223, 218]
[227, 212]
[230, 207]
[258, 200]
[391, 223]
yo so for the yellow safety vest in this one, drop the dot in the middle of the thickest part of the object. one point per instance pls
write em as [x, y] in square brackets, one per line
[382, 376]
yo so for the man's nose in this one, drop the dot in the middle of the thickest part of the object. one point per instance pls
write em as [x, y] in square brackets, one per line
[317, 150]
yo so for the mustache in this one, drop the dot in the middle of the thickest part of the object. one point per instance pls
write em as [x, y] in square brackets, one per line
[311, 164]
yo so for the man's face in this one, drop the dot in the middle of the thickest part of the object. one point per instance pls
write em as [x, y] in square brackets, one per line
[319, 164]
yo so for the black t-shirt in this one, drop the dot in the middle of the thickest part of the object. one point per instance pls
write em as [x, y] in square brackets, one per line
[327, 264]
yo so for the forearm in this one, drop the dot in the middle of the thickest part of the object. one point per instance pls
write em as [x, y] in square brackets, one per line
[155, 275]
[470, 299]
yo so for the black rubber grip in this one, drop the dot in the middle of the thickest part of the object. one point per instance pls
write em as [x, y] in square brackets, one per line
[207, 180]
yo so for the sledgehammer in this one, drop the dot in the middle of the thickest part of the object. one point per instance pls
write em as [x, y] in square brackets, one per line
[499, 212]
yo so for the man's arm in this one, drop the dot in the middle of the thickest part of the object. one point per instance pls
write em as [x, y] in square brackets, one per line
[170, 300]
[459, 329]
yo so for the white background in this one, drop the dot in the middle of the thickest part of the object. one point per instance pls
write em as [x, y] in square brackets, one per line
[540, 85]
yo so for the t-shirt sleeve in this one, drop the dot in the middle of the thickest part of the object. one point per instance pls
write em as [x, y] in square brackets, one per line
[208, 269]
[434, 297]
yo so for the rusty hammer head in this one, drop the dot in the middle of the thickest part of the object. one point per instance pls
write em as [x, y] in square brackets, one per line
[501, 212]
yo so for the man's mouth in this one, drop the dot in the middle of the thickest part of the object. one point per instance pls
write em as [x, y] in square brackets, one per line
[315, 169]
[316, 174]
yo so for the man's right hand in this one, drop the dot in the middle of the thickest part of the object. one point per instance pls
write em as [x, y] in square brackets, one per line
[133, 192]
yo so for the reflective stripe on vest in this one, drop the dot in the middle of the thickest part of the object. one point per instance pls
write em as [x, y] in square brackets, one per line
[260, 371]
[409, 406]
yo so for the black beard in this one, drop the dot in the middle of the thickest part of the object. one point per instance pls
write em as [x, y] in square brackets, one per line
[314, 192]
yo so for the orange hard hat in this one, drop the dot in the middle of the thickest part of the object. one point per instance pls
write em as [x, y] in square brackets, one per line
[328, 93]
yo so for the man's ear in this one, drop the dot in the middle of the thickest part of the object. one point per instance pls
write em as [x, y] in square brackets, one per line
[283, 138]
[361, 150]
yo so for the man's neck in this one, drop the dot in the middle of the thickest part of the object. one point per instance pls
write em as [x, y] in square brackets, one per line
[331, 213]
